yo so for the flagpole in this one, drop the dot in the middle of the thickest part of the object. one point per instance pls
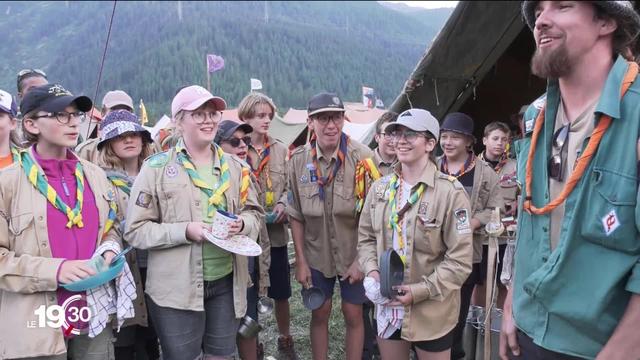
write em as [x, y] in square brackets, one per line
[208, 76]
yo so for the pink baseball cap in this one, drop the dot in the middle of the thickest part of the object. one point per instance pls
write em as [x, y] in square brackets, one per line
[192, 97]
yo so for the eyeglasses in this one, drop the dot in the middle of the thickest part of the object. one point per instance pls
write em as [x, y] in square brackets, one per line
[386, 136]
[199, 117]
[556, 162]
[409, 136]
[235, 142]
[336, 117]
[63, 117]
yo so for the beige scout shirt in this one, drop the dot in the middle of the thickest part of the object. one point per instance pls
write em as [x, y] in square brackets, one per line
[438, 250]
[88, 150]
[330, 226]
[385, 168]
[485, 197]
[278, 234]
[28, 273]
[163, 201]
[579, 132]
[139, 305]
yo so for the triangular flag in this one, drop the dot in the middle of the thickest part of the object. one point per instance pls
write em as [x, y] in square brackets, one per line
[256, 84]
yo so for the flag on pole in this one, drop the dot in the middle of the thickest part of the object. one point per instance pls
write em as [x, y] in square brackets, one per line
[143, 113]
[256, 84]
[368, 97]
[214, 63]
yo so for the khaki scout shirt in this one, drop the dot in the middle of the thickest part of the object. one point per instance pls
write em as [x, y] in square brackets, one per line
[88, 150]
[163, 201]
[330, 226]
[485, 197]
[278, 234]
[438, 250]
[28, 273]
[139, 305]
[385, 168]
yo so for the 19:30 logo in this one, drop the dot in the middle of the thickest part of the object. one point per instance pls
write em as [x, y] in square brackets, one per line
[55, 315]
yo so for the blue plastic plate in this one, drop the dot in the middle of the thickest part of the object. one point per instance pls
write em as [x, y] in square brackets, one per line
[270, 218]
[97, 279]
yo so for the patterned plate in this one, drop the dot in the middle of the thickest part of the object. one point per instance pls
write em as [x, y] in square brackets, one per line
[237, 244]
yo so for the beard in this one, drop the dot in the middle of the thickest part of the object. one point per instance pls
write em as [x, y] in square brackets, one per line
[553, 64]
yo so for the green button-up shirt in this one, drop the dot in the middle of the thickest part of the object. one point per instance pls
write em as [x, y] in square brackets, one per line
[570, 300]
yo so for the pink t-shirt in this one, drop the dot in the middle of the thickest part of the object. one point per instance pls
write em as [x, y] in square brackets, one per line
[69, 243]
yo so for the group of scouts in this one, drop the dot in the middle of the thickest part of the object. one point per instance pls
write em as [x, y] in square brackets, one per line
[575, 286]
[341, 203]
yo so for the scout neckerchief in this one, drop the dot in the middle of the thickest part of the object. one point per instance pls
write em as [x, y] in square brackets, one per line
[122, 182]
[581, 163]
[501, 162]
[16, 154]
[342, 152]
[264, 156]
[38, 179]
[215, 193]
[397, 214]
[365, 168]
[468, 165]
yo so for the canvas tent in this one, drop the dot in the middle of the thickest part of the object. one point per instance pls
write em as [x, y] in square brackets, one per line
[478, 64]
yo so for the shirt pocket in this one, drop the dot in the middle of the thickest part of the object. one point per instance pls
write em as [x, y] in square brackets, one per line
[174, 200]
[278, 182]
[310, 204]
[378, 218]
[610, 214]
[22, 237]
[344, 203]
[428, 236]
[483, 197]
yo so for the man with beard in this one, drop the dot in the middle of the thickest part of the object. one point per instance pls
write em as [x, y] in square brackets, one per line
[577, 272]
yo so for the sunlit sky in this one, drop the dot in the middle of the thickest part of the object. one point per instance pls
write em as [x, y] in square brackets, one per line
[428, 4]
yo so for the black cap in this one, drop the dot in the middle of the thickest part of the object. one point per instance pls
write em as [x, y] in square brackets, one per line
[324, 102]
[457, 122]
[53, 98]
[228, 127]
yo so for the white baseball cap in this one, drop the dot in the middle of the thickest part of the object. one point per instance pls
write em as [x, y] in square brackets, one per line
[416, 120]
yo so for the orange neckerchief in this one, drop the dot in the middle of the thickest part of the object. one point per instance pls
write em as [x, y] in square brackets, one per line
[582, 163]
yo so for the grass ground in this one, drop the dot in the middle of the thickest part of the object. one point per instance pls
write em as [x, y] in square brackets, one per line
[300, 319]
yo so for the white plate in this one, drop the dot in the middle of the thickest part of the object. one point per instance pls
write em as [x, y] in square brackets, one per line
[237, 244]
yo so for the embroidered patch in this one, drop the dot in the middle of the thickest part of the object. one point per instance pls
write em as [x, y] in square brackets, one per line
[528, 126]
[144, 200]
[171, 171]
[422, 208]
[304, 179]
[340, 176]
[158, 160]
[462, 221]
[610, 222]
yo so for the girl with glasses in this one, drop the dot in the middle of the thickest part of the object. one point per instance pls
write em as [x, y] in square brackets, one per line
[424, 216]
[197, 291]
[56, 211]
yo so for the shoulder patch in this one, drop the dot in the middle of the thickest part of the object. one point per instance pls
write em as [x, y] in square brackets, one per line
[158, 160]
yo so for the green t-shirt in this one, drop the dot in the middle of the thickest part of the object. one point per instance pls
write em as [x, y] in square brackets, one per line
[216, 262]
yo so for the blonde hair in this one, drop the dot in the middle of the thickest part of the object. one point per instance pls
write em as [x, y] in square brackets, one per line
[107, 157]
[27, 137]
[247, 107]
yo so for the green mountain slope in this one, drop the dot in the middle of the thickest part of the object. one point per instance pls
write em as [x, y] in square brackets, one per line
[295, 48]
